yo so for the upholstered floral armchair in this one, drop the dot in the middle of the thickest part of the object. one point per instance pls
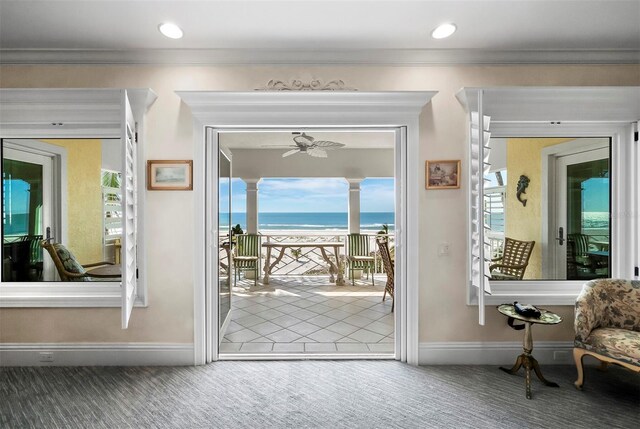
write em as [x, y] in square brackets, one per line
[607, 324]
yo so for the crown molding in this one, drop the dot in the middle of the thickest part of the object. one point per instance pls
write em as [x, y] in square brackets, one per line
[399, 57]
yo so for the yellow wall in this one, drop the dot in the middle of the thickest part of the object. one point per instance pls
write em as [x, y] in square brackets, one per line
[84, 197]
[170, 233]
[525, 223]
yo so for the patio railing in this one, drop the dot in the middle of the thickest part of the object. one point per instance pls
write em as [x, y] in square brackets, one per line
[309, 260]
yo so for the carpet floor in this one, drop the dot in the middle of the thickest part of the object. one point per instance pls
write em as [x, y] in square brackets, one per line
[313, 394]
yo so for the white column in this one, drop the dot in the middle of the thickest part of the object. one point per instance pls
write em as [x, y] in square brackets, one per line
[354, 205]
[252, 205]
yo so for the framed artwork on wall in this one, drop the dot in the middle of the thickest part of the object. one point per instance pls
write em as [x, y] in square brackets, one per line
[444, 174]
[169, 175]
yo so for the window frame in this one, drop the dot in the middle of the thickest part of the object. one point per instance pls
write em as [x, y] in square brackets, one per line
[565, 292]
[91, 114]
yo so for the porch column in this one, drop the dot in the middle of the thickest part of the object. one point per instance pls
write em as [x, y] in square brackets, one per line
[252, 205]
[354, 205]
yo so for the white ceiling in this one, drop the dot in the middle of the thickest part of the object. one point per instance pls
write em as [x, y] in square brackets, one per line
[321, 25]
[266, 140]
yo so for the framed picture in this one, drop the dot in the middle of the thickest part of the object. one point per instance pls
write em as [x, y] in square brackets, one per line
[166, 175]
[442, 174]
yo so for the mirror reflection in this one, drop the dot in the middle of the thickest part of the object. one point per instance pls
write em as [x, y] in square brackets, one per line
[547, 203]
[224, 237]
[61, 210]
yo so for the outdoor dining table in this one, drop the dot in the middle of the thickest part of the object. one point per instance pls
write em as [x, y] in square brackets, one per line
[323, 246]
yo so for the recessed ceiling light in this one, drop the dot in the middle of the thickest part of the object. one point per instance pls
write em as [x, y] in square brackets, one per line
[443, 31]
[170, 30]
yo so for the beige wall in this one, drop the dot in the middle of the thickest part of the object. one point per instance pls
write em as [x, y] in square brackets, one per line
[84, 197]
[525, 222]
[170, 231]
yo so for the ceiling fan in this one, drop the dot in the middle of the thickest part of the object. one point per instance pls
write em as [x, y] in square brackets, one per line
[310, 146]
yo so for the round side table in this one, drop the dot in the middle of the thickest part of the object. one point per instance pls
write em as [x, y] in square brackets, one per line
[526, 359]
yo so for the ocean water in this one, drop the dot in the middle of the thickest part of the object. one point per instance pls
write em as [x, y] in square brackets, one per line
[311, 221]
[590, 221]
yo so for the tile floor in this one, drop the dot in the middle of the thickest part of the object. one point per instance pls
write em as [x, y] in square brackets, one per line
[307, 314]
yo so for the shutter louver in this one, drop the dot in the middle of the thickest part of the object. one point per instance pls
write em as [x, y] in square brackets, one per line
[129, 207]
[480, 150]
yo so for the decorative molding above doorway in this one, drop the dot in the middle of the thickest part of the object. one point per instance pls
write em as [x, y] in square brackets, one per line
[310, 85]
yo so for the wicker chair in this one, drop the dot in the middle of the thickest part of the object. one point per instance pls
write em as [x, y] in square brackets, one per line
[389, 268]
[514, 260]
[358, 256]
[69, 269]
[247, 256]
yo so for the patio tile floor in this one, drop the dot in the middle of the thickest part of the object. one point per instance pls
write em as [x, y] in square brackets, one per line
[306, 315]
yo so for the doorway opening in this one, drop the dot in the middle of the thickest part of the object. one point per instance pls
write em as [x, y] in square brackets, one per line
[306, 243]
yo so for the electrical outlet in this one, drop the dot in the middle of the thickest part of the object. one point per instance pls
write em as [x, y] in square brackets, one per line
[443, 249]
[46, 356]
[561, 356]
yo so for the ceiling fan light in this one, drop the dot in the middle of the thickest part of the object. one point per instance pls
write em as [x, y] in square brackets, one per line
[443, 31]
[170, 30]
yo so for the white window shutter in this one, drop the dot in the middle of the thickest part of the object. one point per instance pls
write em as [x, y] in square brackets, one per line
[129, 210]
[480, 166]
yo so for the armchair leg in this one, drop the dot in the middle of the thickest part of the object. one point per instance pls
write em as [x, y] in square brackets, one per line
[578, 355]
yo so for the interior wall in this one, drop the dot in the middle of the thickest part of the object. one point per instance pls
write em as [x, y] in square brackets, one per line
[444, 316]
[84, 197]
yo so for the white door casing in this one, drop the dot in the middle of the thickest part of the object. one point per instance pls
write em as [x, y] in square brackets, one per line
[49, 218]
[559, 186]
[306, 110]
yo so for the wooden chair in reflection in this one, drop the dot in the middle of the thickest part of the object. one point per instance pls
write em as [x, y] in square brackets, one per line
[580, 264]
[35, 254]
[69, 269]
[514, 260]
[389, 268]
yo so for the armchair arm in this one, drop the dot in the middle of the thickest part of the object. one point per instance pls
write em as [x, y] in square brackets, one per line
[587, 312]
[499, 258]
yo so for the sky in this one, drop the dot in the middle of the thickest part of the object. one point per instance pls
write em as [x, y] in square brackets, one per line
[314, 195]
[596, 195]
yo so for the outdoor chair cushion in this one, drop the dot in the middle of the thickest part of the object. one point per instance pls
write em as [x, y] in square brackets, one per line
[619, 344]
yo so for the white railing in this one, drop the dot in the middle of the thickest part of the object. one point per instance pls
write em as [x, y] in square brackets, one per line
[309, 260]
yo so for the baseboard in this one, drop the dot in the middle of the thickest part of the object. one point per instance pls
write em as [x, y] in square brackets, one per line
[95, 354]
[493, 353]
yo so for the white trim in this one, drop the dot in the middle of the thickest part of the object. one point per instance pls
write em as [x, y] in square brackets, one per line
[96, 354]
[307, 356]
[400, 57]
[493, 353]
[60, 294]
[336, 110]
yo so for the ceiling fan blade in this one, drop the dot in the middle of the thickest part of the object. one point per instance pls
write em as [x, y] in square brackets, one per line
[279, 146]
[290, 152]
[325, 144]
[317, 152]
